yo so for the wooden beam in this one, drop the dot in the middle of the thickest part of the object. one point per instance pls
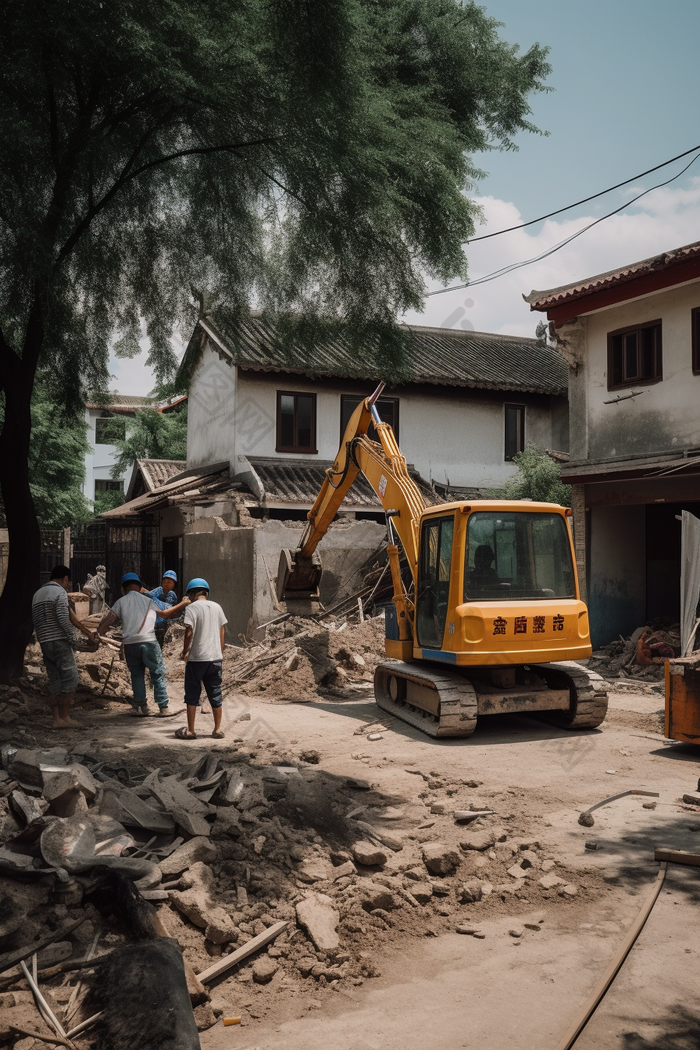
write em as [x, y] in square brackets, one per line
[678, 856]
[225, 963]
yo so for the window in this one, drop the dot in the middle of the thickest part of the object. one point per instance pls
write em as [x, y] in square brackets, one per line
[296, 422]
[108, 429]
[515, 430]
[103, 485]
[634, 356]
[517, 555]
[434, 581]
[695, 322]
[388, 408]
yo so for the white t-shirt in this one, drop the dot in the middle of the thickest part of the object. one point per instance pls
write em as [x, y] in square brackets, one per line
[137, 615]
[206, 620]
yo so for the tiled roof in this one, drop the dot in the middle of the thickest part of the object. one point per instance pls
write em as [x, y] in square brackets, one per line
[298, 481]
[157, 472]
[568, 292]
[433, 356]
[117, 401]
[188, 484]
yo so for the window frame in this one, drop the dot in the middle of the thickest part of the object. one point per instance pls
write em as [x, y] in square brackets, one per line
[521, 428]
[110, 485]
[625, 384]
[295, 448]
[360, 397]
[695, 339]
[108, 419]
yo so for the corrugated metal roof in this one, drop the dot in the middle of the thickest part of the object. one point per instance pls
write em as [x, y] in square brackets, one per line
[567, 292]
[433, 356]
[299, 482]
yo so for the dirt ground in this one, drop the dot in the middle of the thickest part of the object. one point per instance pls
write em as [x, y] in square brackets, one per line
[424, 982]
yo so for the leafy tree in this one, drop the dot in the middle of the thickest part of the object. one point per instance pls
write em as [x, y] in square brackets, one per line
[107, 501]
[303, 156]
[538, 478]
[151, 435]
[56, 463]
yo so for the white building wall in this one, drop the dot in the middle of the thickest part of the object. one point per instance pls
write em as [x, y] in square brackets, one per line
[99, 459]
[457, 439]
[665, 416]
[210, 412]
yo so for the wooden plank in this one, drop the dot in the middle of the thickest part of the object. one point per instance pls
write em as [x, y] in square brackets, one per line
[678, 856]
[241, 953]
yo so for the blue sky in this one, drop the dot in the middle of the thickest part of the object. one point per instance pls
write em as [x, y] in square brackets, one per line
[626, 82]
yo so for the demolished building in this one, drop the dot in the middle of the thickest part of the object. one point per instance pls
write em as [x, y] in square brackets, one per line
[264, 425]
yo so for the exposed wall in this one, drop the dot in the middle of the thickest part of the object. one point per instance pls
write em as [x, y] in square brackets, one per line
[448, 434]
[617, 571]
[240, 563]
[665, 416]
[224, 556]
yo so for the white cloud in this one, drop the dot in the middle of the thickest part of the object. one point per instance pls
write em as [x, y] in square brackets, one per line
[133, 375]
[665, 219]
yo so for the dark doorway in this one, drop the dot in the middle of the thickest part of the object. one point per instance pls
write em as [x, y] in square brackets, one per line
[664, 558]
[172, 558]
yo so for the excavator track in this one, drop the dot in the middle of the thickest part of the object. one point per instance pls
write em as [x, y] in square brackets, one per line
[439, 703]
[588, 690]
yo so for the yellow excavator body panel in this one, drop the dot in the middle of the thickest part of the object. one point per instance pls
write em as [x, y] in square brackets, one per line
[521, 606]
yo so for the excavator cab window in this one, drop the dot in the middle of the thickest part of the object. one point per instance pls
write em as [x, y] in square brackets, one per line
[517, 555]
[434, 580]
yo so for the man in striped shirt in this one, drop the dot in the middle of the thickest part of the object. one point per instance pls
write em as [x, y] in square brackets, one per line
[53, 623]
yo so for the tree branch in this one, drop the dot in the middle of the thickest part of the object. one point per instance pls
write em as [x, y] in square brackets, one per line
[123, 179]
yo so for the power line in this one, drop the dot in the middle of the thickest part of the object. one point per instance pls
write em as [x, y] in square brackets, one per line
[594, 196]
[555, 248]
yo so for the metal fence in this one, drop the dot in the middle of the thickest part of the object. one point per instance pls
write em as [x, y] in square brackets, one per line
[121, 548]
[52, 552]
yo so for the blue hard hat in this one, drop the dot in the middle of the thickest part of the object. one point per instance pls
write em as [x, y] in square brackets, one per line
[130, 577]
[196, 584]
[170, 574]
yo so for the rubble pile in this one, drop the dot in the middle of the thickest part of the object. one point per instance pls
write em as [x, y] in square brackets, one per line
[239, 842]
[303, 660]
[640, 657]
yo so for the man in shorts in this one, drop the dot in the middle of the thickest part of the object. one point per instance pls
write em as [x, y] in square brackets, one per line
[203, 649]
[53, 623]
[137, 614]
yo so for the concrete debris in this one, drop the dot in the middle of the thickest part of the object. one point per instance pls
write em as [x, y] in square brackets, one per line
[639, 657]
[189, 853]
[478, 840]
[368, 855]
[440, 859]
[320, 919]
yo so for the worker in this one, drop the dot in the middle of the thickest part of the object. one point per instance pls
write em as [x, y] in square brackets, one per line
[53, 617]
[203, 649]
[165, 593]
[483, 577]
[137, 614]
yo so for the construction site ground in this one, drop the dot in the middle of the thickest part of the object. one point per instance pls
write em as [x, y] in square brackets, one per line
[540, 952]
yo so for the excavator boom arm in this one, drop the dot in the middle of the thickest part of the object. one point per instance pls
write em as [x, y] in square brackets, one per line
[385, 469]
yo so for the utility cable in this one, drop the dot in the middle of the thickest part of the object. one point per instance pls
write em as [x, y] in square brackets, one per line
[555, 248]
[594, 196]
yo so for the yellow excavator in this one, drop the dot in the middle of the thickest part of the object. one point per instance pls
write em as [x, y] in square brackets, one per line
[491, 621]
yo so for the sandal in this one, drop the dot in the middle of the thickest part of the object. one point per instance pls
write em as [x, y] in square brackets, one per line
[218, 734]
[183, 733]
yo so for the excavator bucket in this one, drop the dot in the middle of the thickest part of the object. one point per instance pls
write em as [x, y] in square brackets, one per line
[298, 577]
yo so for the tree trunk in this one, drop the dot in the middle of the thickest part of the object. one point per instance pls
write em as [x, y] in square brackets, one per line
[23, 528]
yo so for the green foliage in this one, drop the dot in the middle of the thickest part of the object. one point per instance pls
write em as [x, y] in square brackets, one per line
[56, 463]
[107, 501]
[152, 435]
[305, 156]
[538, 478]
